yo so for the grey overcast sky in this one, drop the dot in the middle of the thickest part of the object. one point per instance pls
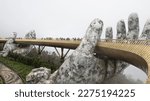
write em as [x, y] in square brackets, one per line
[66, 18]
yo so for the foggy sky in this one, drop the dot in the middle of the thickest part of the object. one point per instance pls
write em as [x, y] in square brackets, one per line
[66, 18]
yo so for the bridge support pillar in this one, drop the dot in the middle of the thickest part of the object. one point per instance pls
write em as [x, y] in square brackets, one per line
[40, 49]
[62, 55]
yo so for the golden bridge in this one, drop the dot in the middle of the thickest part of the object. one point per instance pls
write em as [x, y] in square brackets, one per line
[135, 52]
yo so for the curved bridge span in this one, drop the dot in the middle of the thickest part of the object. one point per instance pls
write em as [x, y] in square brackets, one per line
[136, 52]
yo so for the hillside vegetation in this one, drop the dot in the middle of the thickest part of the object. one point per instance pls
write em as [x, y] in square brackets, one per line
[23, 65]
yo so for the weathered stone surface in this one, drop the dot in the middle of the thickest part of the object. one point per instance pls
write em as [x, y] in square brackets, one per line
[39, 75]
[133, 33]
[109, 64]
[116, 66]
[146, 31]
[81, 66]
[133, 26]
[9, 76]
[31, 35]
[110, 69]
[121, 35]
[9, 45]
[121, 30]
[109, 33]
[120, 66]
[24, 49]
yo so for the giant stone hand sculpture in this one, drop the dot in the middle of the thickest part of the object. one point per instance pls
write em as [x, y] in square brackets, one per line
[81, 66]
[133, 32]
[24, 49]
[9, 45]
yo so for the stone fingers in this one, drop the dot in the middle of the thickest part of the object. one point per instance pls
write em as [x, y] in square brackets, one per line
[133, 26]
[146, 31]
[121, 30]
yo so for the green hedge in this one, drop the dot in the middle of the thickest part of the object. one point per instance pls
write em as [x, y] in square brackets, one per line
[35, 62]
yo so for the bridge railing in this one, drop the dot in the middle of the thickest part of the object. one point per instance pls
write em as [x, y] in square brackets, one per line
[138, 42]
